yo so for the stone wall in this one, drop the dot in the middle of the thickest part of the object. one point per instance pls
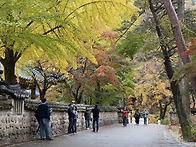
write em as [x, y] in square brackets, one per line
[19, 128]
[173, 117]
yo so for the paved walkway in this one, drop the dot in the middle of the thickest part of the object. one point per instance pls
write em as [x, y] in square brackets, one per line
[113, 136]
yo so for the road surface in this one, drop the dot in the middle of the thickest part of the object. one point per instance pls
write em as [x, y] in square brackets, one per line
[151, 135]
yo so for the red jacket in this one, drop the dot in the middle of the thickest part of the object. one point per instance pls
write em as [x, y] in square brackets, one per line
[124, 113]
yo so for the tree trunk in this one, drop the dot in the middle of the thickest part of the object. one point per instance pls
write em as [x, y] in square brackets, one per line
[183, 117]
[179, 38]
[185, 124]
[33, 90]
[78, 97]
[42, 94]
[161, 109]
[184, 89]
[165, 110]
[9, 70]
[184, 83]
[8, 63]
[181, 8]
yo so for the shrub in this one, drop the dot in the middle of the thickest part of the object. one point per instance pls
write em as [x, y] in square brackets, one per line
[165, 121]
[152, 119]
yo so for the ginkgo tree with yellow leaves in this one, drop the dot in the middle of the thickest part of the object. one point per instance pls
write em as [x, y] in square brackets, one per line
[152, 87]
[56, 28]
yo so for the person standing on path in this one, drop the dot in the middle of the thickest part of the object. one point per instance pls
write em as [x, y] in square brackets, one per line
[124, 116]
[43, 114]
[75, 119]
[145, 116]
[87, 115]
[95, 111]
[71, 118]
[137, 116]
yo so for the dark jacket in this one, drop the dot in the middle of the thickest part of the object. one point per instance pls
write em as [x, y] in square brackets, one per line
[70, 112]
[87, 115]
[137, 114]
[43, 111]
[95, 113]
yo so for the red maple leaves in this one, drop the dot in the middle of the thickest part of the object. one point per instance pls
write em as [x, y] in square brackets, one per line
[192, 47]
[104, 72]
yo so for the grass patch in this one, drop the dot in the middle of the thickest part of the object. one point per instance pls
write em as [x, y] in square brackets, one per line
[193, 131]
[165, 121]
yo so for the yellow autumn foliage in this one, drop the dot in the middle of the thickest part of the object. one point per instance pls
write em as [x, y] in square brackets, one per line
[57, 28]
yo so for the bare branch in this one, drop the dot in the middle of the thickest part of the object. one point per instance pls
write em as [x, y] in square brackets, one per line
[29, 24]
[51, 30]
[128, 28]
[2, 5]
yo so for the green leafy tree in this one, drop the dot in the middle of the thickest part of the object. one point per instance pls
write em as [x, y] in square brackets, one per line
[181, 109]
[169, 49]
[180, 42]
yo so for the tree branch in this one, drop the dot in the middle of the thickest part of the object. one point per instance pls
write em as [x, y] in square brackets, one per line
[17, 56]
[69, 88]
[126, 30]
[29, 24]
[2, 5]
[51, 30]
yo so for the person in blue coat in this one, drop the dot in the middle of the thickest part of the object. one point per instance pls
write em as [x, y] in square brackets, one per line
[43, 115]
[71, 118]
[137, 116]
[95, 111]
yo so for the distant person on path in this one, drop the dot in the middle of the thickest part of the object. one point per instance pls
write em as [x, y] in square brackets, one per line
[137, 116]
[87, 115]
[124, 116]
[95, 111]
[71, 118]
[145, 116]
[43, 114]
[75, 119]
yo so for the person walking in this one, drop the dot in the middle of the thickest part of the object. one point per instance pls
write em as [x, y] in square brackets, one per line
[124, 116]
[87, 115]
[145, 116]
[95, 111]
[71, 118]
[137, 116]
[75, 119]
[43, 114]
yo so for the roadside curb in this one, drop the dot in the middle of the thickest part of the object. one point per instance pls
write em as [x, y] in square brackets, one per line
[178, 138]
